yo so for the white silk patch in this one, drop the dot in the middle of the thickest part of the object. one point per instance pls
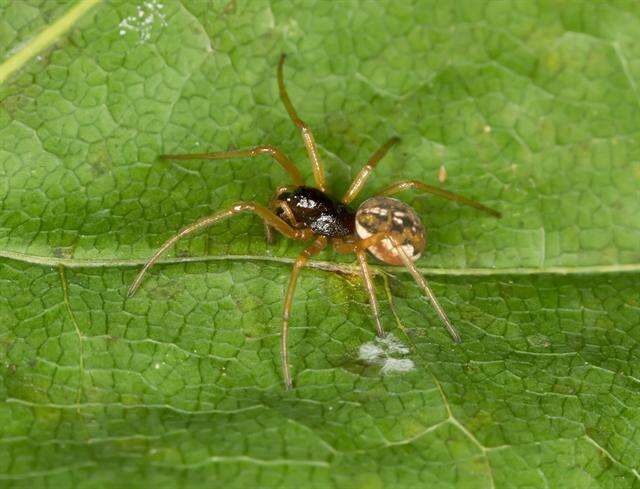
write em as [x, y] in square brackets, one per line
[384, 352]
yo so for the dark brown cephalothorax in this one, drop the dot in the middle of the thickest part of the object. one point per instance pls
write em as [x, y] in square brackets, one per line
[388, 228]
[317, 210]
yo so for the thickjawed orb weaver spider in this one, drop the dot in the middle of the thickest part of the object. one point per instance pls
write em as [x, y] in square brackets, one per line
[388, 228]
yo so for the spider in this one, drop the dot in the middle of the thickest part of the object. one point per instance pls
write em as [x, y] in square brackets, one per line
[386, 227]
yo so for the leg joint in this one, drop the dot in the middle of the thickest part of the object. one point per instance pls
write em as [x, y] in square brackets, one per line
[244, 206]
[267, 148]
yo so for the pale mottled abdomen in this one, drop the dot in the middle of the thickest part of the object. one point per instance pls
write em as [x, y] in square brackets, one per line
[399, 220]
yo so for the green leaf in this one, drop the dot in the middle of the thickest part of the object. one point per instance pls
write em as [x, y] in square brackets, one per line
[530, 107]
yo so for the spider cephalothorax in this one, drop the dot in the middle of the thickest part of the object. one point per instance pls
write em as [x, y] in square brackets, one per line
[388, 228]
[318, 211]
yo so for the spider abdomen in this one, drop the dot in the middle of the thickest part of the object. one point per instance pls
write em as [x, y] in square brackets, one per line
[398, 220]
[318, 211]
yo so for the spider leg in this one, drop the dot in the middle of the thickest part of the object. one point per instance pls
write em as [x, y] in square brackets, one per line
[316, 247]
[268, 217]
[269, 235]
[305, 131]
[368, 283]
[363, 175]
[344, 246]
[283, 210]
[422, 282]
[359, 247]
[407, 184]
[275, 153]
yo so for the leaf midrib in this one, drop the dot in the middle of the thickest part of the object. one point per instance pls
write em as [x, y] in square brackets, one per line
[48, 36]
[323, 265]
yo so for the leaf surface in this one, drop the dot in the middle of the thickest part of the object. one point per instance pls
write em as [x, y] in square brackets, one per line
[531, 108]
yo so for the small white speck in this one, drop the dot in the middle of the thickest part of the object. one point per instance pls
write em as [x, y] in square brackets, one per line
[442, 174]
[156, 365]
[143, 21]
[487, 129]
[16, 48]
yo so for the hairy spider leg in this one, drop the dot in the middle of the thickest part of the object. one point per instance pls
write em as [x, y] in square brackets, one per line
[317, 246]
[407, 184]
[267, 216]
[422, 282]
[275, 153]
[363, 175]
[305, 131]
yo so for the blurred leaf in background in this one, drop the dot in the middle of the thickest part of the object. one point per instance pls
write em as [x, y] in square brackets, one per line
[530, 108]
